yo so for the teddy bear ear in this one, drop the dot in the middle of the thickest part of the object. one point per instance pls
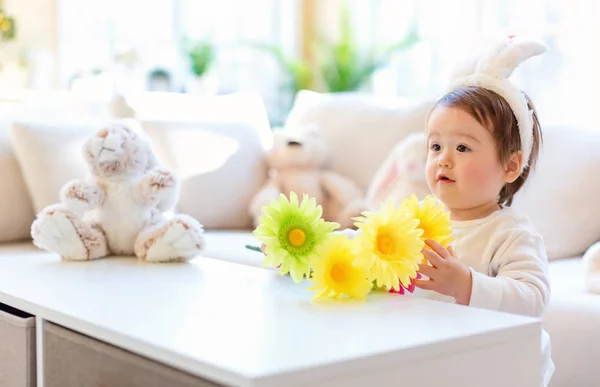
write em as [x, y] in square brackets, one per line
[136, 133]
[131, 126]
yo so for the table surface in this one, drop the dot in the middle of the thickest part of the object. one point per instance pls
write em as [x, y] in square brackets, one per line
[236, 324]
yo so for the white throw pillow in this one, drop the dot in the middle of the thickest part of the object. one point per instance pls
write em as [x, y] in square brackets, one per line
[361, 129]
[16, 211]
[561, 196]
[50, 154]
[218, 151]
[221, 166]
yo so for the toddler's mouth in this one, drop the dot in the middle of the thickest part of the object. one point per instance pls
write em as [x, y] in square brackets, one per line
[444, 179]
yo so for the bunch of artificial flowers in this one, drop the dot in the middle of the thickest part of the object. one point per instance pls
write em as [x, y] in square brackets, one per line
[383, 256]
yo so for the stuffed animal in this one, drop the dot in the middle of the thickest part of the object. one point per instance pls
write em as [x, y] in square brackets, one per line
[591, 268]
[120, 209]
[401, 174]
[298, 162]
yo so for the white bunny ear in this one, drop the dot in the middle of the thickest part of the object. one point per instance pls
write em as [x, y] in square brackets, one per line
[491, 69]
[465, 67]
[499, 60]
[504, 58]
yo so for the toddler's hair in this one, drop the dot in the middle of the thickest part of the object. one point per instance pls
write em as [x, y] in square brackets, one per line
[493, 112]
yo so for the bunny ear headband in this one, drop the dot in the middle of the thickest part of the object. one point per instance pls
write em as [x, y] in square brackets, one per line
[491, 69]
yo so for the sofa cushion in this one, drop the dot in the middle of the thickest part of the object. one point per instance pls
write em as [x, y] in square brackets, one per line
[221, 167]
[572, 319]
[361, 129]
[16, 210]
[50, 154]
[219, 154]
[47, 131]
[561, 196]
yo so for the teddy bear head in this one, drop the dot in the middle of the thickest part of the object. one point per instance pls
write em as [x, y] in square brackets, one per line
[298, 148]
[118, 150]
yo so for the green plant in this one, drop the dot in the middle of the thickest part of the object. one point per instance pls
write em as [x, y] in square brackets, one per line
[8, 29]
[299, 72]
[345, 69]
[202, 56]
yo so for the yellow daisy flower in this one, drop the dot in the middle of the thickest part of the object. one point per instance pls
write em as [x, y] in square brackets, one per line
[390, 244]
[336, 272]
[292, 231]
[433, 219]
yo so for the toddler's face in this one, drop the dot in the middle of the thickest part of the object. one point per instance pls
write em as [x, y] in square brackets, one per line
[463, 168]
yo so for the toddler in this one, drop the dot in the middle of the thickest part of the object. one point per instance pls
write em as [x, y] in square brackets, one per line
[483, 141]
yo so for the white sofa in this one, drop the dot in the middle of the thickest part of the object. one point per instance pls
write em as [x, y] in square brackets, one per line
[217, 146]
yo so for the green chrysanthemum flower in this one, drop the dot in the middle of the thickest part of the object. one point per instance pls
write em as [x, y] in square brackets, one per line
[292, 231]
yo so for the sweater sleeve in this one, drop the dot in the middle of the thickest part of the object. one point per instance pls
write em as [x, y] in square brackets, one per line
[519, 282]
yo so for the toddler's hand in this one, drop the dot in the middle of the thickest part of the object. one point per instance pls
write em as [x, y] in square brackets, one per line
[447, 275]
[262, 248]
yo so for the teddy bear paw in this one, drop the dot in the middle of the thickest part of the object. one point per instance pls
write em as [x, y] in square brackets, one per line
[59, 231]
[178, 240]
[156, 186]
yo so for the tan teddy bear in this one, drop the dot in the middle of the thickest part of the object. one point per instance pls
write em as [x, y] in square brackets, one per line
[121, 208]
[298, 162]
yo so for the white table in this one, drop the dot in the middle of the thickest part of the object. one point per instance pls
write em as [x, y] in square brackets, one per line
[245, 326]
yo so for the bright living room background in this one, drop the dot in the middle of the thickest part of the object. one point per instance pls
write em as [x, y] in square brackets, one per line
[101, 47]
[85, 46]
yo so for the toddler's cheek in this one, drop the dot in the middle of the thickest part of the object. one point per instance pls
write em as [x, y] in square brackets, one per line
[476, 175]
[431, 175]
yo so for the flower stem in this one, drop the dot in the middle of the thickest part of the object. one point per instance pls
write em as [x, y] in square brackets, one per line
[255, 248]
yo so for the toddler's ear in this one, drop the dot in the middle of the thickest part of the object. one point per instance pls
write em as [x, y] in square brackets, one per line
[513, 167]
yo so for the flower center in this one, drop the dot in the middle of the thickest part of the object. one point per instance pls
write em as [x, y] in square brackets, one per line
[385, 244]
[338, 272]
[297, 237]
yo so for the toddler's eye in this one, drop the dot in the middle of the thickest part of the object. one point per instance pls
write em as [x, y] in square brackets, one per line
[462, 148]
[435, 147]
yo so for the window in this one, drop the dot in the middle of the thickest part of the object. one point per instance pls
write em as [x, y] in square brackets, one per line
[107, 45]
[562, 82]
